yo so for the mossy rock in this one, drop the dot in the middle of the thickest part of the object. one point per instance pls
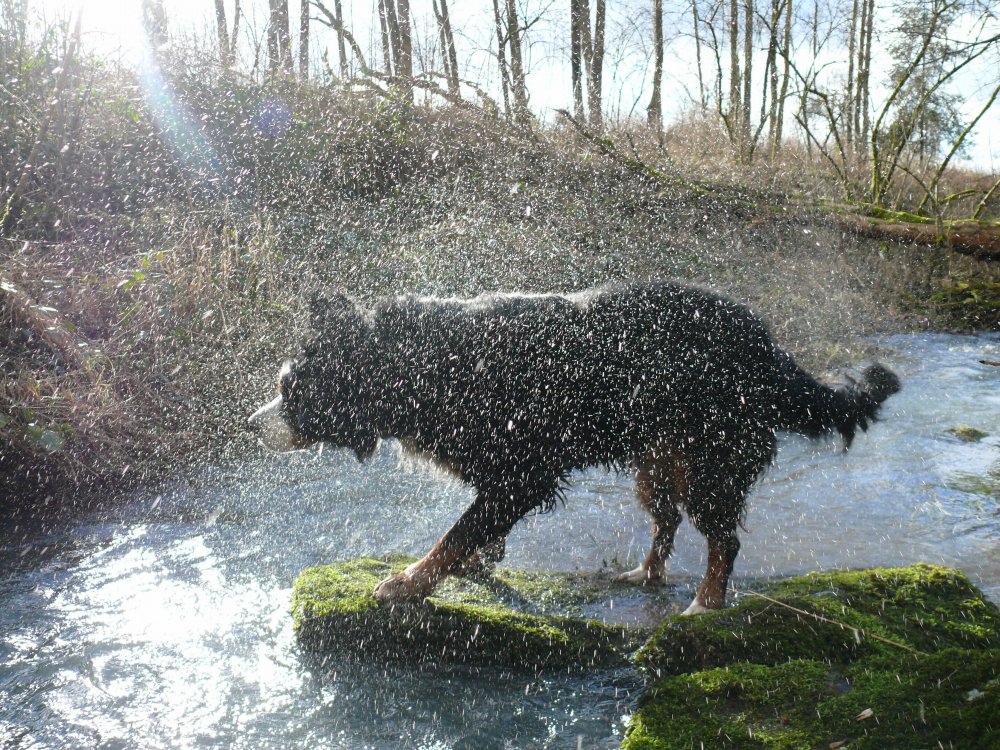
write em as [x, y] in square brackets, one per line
[947, 699]
[840, 616]
[918, 647]
[967, 433]
[511, 619]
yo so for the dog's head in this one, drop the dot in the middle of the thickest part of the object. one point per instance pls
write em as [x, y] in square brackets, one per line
[325, 393]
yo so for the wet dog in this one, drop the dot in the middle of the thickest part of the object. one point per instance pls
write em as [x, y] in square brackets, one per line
[513, 392]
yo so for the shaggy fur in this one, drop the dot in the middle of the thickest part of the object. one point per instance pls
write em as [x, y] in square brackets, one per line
[514, 392]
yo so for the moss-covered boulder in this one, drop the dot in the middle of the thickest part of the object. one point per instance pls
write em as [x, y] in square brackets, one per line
[967, 433]
[510, 619]
[886, 658]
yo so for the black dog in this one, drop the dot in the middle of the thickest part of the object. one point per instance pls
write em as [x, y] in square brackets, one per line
[514, 392]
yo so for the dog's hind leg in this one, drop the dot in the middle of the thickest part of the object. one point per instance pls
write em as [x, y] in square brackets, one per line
[719, 486]
[722, 551]
[661, 483]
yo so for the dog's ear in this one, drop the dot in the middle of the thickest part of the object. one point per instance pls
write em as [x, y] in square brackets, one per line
[335, 309]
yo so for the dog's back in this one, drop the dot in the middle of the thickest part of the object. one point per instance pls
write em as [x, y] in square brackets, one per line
[596, 378]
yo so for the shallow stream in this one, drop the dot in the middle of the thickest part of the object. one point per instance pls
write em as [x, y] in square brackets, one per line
[163, 622]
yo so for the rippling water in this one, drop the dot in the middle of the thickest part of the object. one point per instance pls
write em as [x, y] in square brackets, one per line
[163, 622]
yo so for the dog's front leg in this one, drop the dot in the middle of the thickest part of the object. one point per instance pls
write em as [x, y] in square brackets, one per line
[486, 522]
[420, 578]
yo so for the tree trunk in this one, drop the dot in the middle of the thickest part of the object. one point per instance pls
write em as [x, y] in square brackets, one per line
[746, 146]
[771, 72]
[303, 40]
[596, 68]
[576, 56]
[654, 112]
[448, 55]
[518, 86]
[734, 71]
[786, 76]
[864, 80]
[383, 22]
[852, 48]
[234, 37]
[341, 50]
[405, 64]
[279, 53]
[696, 25]
[222, 32]
[502, 58]
[154, 19]
[284, 36]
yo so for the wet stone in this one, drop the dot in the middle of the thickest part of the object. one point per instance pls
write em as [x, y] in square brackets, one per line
[510, 619]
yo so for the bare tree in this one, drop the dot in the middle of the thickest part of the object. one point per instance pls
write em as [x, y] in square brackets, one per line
[576, 56]
[448, 54]
[397, 45]
[745, 143]
[777, 124]
[222, 31]
[303, 39]
[696, 28]
[654, 112]
[154, 20]
[279, 48]
[587, 42]
[517, 76]
[594, 59]
[505, 82]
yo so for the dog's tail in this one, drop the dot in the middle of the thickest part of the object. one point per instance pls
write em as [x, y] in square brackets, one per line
[805, 406]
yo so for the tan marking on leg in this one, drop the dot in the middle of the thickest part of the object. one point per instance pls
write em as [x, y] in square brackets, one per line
[420, 578]
[712, 591]
[661, 478]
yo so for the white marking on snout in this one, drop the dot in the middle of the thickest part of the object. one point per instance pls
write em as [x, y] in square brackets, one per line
[274, 431]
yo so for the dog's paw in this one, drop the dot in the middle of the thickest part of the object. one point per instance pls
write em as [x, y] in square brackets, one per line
[641, 576]
[696, 608]
[402, 587]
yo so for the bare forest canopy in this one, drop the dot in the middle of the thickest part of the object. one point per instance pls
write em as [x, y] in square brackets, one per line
[161, 225]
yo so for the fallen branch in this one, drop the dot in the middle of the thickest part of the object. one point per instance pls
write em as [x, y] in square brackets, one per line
[977, 239]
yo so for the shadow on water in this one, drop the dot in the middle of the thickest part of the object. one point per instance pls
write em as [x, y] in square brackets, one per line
[163, 622]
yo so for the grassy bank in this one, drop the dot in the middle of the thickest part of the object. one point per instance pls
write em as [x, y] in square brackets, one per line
[160, 235]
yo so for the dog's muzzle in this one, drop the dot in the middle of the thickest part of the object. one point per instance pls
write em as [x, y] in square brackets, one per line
[273, 430]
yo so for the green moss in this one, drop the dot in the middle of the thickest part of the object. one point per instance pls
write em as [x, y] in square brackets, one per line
[952, 698]
[967, 433]
[924, 607]
[466, 621]
[760, 675]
